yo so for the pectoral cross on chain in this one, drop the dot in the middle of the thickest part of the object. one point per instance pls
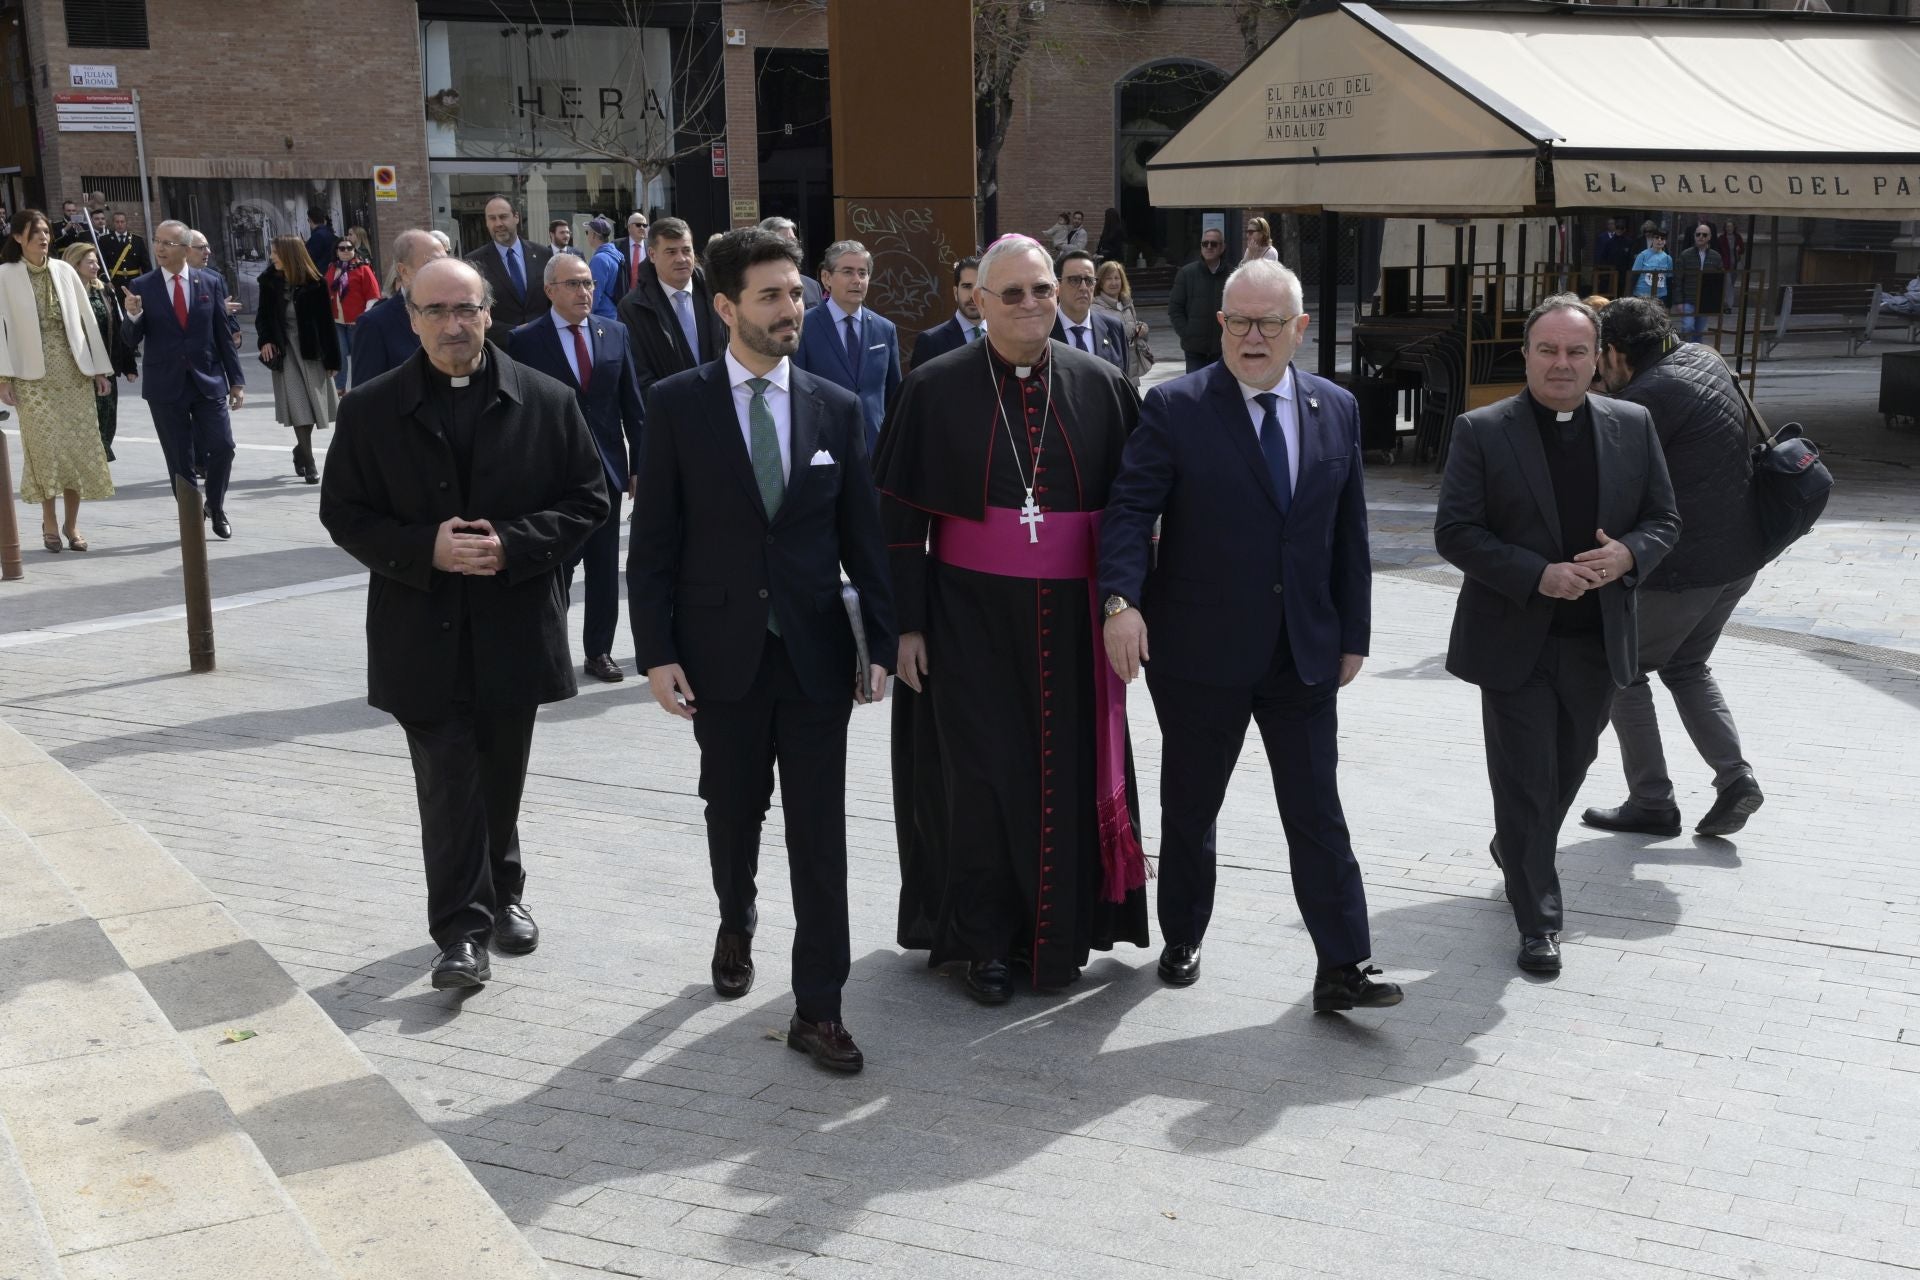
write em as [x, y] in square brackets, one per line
[1030, 516]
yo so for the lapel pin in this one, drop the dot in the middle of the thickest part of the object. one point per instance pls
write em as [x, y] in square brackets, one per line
[1313, 402]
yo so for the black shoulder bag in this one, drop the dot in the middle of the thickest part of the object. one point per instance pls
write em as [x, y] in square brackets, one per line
[1790, 483]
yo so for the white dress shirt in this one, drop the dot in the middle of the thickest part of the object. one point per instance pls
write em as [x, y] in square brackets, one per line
[975, 328]
[841, 317]
[566, 342]
[1289, 415]
[1069, 324]
[779, 403]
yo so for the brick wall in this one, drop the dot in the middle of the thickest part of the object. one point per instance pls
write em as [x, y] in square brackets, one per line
[225, 86]
[769, 24]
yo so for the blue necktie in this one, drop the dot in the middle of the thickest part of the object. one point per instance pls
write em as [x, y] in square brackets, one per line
[683, 307]
[1080, 338]
[853, 348]
[1273, 443]
[515, 274]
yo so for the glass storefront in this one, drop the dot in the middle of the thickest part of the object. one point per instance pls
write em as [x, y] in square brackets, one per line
[564, 120]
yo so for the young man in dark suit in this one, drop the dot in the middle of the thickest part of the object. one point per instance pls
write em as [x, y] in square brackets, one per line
[966, 323]
[510, 266]
[190, 375]
[669, 314]
[1259, 608]
[465, 483]
[1556, 504]
[754, 495]
[1080, 324]
[846, 342]
[589, 353]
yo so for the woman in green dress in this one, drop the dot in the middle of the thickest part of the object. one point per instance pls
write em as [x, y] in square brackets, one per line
[106, 314]
[53, 363]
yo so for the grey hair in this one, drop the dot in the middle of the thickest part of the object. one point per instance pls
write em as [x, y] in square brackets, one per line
[840, 249]
[195, 239]
[1009, 246]
[161, 230]
[553, 262]
[409, 242]
[779, 225]
[1563, 302]
[1267, 271]
[446, 241]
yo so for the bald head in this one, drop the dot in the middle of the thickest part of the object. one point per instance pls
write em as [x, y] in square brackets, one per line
[198, 250]
[412, 250]
[448, 304]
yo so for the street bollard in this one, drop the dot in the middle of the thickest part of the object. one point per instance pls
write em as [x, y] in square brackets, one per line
[194, 578]
[10, 569]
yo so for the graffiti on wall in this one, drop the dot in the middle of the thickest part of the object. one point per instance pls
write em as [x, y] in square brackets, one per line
[912, 260]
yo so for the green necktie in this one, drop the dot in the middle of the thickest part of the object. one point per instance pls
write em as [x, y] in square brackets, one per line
[766, 459]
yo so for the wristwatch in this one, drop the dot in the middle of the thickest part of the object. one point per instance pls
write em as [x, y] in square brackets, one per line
[1116, 604]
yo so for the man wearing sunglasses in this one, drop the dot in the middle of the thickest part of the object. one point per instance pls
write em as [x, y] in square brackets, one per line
[1258, 608]
[1195, 301]
[1018, 845]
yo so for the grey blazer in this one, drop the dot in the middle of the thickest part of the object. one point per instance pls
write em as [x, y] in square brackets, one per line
[1498, 523]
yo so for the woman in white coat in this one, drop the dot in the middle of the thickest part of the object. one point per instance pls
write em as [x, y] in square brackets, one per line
[53, 363]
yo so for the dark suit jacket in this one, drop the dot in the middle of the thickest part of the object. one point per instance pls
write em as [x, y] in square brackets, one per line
[659, 344]
[1231, 569]
[316, 339]
[823, 353]
[510, 310]
[383, 339]
[612, 399]
[625, 246]
[706, 566]
[1107, 332]
[198, 363]
[1498, 522]
[126, 256]
[391, 481]
[938, 340]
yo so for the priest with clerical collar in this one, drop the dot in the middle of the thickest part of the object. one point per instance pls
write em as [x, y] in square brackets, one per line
[465, 482]
[1019, 852]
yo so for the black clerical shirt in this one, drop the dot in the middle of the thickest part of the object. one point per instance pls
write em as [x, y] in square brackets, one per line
[1575, 475]
[459, 409]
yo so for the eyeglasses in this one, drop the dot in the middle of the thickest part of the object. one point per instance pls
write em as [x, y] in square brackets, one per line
[343, 248]
[586, 284]
[440, 313]
[1082, 282]
[1270, 326]
[1212, 244]
[173, 244]
[1015, 296]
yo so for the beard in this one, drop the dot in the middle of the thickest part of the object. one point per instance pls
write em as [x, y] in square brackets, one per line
[781, 339]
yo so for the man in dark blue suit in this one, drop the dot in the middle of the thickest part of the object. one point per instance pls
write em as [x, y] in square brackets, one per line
[843, 342]
[754, 495]
[191, 374]
[1097, 333]
[1260, 604]
[589, 353]
[966, 324]
[384, 339]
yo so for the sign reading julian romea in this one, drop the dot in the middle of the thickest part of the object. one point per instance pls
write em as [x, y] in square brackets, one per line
[1301, 110]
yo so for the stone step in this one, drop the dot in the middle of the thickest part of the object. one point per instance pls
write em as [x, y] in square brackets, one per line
[374, 1193]
[26, 1250]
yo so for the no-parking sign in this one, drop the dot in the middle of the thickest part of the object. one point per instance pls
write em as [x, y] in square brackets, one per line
[386, 183]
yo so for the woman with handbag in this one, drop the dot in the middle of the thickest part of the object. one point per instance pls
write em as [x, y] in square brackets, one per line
[1113, 294]
[53, 362]
[106, 314]
[300, 345]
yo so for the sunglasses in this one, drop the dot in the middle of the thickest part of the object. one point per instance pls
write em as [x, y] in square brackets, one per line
[1015, 296]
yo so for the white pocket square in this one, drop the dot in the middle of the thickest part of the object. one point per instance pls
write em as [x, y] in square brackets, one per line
[821, 459]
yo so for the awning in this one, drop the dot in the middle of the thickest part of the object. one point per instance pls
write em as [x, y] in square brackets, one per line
[1460, 109]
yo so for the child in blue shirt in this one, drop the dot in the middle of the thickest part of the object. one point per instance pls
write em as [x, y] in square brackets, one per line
[1653, 268]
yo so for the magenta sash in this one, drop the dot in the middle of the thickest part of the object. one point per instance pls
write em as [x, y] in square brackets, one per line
[1068, 547]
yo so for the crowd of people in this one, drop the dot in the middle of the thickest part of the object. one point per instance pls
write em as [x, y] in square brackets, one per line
[1004, 522]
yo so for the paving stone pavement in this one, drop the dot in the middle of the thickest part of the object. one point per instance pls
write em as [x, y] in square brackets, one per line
[1723, 1082]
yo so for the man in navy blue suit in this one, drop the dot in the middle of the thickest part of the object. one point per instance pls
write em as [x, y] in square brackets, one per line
[191, 375]
[384, 339]
[1097, 333]
[967, 322]
[1260, 604]
[843, 342]
[588, 352]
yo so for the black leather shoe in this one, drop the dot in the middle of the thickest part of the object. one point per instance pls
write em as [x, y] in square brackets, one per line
[514, 932]
[1731, 809]
[1493, 847]
[605, 668]
[461, 967]
[990, 981]
[1350, 987]
[733, 965]
[1639, 819]
[1540, 954]
[827, 1043]
[1180, 964]
[221, 529]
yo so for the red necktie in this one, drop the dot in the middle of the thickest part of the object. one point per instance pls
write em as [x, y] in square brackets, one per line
[633, 270]
[179, 304]
[581, 358]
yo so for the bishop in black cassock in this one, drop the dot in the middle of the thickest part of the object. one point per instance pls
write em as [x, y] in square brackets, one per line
[1019, 848]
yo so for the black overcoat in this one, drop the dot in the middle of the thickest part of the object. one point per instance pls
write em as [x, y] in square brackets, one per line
[391, 481]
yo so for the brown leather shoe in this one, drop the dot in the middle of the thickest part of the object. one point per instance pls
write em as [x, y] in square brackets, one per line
[603, 667]
[827, 1043]
[733, 965]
